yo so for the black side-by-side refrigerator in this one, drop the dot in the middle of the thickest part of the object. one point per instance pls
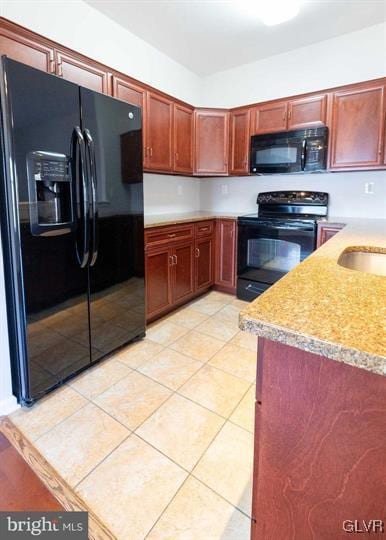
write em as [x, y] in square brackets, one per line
[71, 224]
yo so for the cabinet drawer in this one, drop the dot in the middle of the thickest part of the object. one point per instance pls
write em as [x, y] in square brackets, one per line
[160, 236]
[204, 228]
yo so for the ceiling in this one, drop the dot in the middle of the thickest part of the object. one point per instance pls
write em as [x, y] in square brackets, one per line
[208, 36]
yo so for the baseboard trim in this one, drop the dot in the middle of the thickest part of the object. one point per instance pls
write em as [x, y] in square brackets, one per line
[8, 405]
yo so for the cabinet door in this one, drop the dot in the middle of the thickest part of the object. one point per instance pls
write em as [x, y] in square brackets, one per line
[23, 49]
[132, 93]
[204, 251]
[226, 254]
[327, 231]
[211, 142]
[82, 72]
[127, 91]
[183, 139]
[158, 280]
[240, 141]
[159, 123]
[269, 118]
[307, 112]
[358, 128]
[183, 271]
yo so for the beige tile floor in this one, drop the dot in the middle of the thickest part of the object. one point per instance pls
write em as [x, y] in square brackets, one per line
[158, 439]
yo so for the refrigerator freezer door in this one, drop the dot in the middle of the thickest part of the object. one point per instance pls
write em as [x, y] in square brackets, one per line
[46, 184]
[114, 140]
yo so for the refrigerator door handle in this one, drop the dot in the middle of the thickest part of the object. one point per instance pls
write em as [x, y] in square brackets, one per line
[94, 209]
[80, 145]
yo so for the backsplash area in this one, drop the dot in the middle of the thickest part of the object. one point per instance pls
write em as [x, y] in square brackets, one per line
[177, 194]
[166, 194]
[346, 190]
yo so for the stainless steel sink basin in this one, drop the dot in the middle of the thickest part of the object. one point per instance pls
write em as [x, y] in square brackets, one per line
[371, 262]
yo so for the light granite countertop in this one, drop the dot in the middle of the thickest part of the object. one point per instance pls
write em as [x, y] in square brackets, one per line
[160, 220]
[326, 309]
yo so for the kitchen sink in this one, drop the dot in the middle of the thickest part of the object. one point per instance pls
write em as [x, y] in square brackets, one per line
[364, 260]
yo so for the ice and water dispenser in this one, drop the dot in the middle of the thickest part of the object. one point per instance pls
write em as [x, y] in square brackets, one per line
[50, 193]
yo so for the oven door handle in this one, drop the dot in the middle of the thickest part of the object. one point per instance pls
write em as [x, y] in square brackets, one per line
[303, 154]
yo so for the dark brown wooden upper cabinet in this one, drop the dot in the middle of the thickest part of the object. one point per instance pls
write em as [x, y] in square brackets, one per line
[84, 72]
[269, 118]
[125, 90]
[239, 141]
[358, 128]
[211, 142]
[183, 139]
[134, 94]
[307, 112]
[28, 51]
[158, 149]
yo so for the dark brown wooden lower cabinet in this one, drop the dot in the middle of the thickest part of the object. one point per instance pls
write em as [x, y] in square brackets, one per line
[204, 255]
[320, 446]
[176, 270]
[182, 272]
[327, 231]
[226, 249]
[158, 280]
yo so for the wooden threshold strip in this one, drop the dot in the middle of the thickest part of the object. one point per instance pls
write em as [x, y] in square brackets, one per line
[52, 480]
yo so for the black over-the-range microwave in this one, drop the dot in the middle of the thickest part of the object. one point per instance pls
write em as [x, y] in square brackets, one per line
[289, 151]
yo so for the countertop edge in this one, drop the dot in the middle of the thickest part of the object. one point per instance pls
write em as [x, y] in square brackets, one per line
[188, 219]
[333, 351]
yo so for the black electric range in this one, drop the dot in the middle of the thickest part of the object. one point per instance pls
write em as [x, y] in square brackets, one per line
[277, 238]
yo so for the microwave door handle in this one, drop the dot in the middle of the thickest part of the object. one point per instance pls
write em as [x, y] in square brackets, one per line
[303, 154]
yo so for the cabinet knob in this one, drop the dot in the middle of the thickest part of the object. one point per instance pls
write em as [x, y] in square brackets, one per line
[171, 235]
[175, 259]
[171, 260]
[60, 69]
[197, 253]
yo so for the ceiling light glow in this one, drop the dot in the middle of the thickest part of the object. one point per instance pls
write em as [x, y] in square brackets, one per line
[271, 12]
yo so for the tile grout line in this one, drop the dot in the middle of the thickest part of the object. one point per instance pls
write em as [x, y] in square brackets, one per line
[75, 486]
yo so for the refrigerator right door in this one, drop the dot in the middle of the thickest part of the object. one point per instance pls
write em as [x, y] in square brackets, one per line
[113, 134]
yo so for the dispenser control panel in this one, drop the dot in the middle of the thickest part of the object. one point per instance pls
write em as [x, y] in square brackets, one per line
[50, 193]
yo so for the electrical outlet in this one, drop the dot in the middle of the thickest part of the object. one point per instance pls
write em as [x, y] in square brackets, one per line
[224, 189]
[369, 188]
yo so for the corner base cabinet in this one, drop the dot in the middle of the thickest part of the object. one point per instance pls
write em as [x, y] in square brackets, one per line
[179, 265]
[320, 446]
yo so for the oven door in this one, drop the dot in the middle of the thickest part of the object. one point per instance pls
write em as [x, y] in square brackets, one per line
[267, 251]
[277, 154]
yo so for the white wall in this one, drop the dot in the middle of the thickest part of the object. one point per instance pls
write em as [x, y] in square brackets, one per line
[170, 194]
[346, 190]
[350, 58]
[77, 25]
